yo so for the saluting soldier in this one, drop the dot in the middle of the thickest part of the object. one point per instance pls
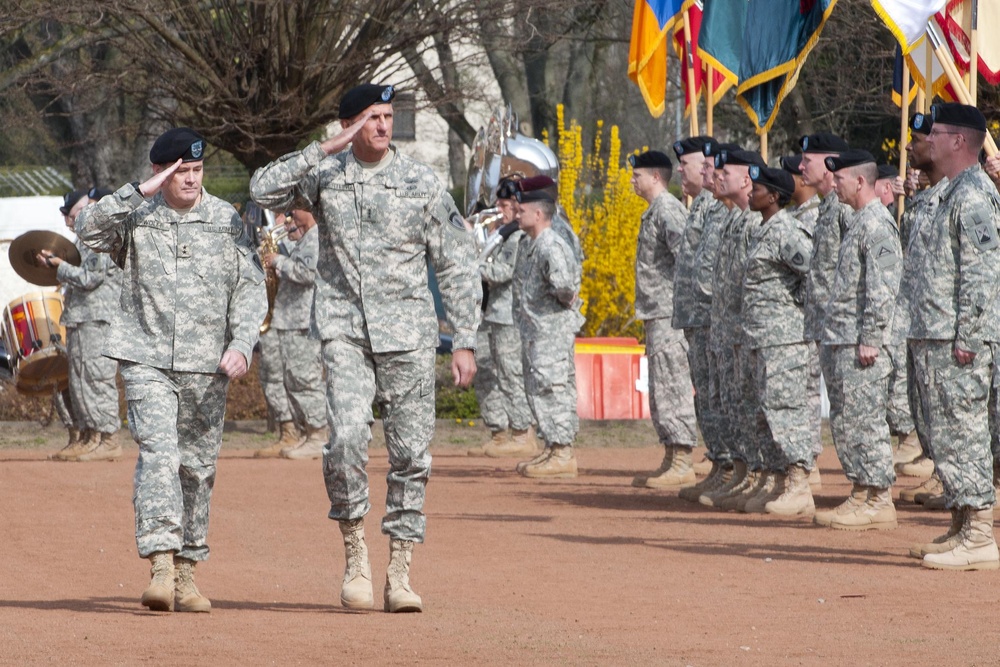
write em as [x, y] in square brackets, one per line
[192, 302]
[381, 216]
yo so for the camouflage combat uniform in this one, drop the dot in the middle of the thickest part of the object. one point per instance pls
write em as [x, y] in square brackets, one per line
[671, 403]
[692, 307]
[773, 325]
[300, 355]
[807, 213]
[192, 289]
[92, 291]
[860, 312]
[500, 390]
[271, 374]
[374, 313]
[734, 375]
[547, 309]
[954, 303]
[921, 209]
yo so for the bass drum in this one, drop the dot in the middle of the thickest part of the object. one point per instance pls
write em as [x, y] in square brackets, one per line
[36, 343]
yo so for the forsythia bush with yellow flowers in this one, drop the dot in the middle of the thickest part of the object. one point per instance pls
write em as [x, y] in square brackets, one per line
[594, 190]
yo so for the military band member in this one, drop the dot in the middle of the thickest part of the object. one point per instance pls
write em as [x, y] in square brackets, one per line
[191, 305]
[671, 403]
[381, 217]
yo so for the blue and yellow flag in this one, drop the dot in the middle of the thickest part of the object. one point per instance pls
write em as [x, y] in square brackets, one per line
[647, 53]
[777, 37]
[721, 39]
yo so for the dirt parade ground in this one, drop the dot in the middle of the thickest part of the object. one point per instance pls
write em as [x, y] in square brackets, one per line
[587, 571]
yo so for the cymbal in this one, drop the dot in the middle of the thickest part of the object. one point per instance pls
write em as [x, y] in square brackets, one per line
[23, 249]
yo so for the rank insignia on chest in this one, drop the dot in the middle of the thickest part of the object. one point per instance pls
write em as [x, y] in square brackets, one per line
[183, 250]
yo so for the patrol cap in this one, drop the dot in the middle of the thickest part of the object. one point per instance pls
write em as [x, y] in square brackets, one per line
[650, 159]
[778, 180]
[849, 158]
[70, 199]
[921, 123]
[960, 115]
[823, 142]
[692, 145]
[887, 171]
[359, 98]
[178, 143]
[539, 182]
[792, 164]
[713, 148]
[738, 157]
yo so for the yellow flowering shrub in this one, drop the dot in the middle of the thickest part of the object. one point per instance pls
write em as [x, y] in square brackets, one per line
[595, 191]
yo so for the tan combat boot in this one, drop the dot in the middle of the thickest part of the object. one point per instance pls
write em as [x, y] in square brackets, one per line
[815, 480]
[560, 464]
[398, 596]
[311, 447]
[108, 449]
[159, 595]
[909, 449]
[187, 597]
[704, 467]
[797, 498]
[74, 437]
[919, 467]
[639, 481]
[977, 549]
[935, 503]
[770, 486]
[356, 591]
[496, 438]
[929, 487]
[876, 513]
[541, 457]
[714, 479]
[88, 442]
[741, 492]
[711, 497]
[680, 473]
[948, 541]
[859, 496]
[521, 443]
[289, 438]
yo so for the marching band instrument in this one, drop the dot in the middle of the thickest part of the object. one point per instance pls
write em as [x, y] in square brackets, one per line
[35, 341]
[481, 223]
[25, 247]
[263, 227]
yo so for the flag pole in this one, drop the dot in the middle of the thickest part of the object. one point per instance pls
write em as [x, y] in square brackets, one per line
[974, 54]
[903, 136]
[692, 91]
[763, 145]
[709, 86]
[955, 79]
[928, 77]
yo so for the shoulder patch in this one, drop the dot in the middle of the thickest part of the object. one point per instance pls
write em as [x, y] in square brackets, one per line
[885, 254]
[456, 221]
[984, 235]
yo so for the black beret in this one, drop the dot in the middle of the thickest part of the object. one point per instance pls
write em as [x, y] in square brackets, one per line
[823, 142]
[539, 182]
[887, 171]
[359, 98]
[179, 143]
[960, 115]
[98, 194]
[921, 123]
[507, 188]
[778, 180]
[849, 158]
[526, 197]
[650, 159]
[738, 157]
[70, 199]
[792, 164]
[692, 145]
[713, 148]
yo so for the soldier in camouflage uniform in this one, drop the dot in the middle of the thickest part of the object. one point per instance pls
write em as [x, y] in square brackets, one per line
[502, 400]
[381, 216]
[776, 266]
[671, 403]
[700, 286]
[547, 309]
[855, 354]
[954, 321]
[192, 302]
[91, 296]
[691, 304]
[300, 359]
[735, 379]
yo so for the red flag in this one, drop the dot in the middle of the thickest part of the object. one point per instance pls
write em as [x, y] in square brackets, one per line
[719, 82]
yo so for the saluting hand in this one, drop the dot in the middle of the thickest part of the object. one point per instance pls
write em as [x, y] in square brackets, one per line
[153, 185]
[339, 142]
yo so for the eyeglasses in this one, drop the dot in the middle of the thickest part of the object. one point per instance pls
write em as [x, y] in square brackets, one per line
[935, 132]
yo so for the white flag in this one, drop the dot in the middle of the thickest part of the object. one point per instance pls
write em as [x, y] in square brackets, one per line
[907, 19]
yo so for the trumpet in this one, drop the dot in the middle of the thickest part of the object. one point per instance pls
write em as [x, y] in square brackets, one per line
[269, 240]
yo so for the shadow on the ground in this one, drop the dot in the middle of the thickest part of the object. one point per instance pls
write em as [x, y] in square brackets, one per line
[123, 605]
[495, 518]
